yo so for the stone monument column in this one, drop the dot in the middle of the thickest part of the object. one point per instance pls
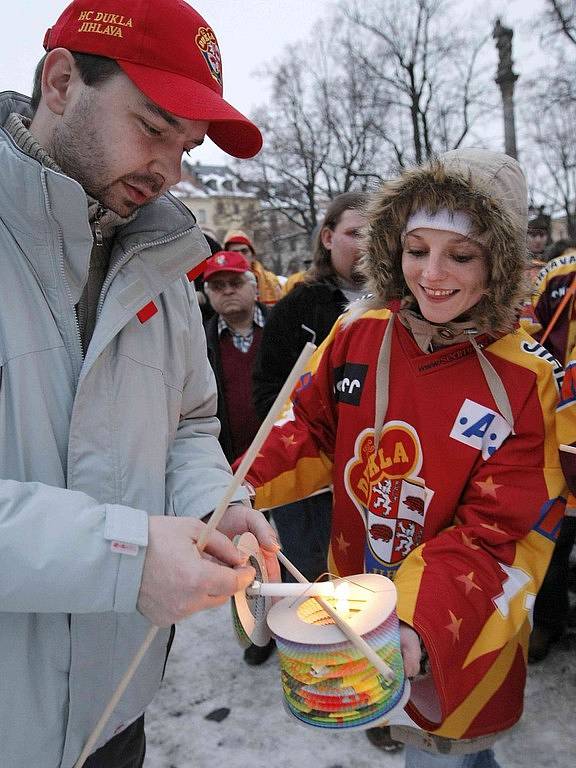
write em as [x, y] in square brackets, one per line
[506, 79]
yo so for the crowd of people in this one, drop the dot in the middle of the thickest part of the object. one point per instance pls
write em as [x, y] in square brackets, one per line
[138, 359]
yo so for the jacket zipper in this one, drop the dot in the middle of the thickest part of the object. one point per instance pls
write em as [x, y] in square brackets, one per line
[100, 211]
[76, 360]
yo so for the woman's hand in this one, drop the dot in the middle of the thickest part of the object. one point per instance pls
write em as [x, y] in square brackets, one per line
[411, 650]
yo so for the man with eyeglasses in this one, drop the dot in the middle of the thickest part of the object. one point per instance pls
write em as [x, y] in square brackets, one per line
[233, 336]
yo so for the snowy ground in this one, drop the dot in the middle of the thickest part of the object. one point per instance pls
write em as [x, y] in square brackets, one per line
[214, 710]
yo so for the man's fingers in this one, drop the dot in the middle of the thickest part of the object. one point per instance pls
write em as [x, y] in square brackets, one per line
[245, 575]
[219, 546]
[221, 581]
[240, 518]
[177, 579]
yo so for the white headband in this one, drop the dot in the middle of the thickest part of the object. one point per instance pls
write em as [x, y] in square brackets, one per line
[448, 221]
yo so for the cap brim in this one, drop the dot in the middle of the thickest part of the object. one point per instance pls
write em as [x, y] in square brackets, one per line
[209, 272]
[229, 129]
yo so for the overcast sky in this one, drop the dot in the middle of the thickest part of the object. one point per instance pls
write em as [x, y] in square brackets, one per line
[250, 33]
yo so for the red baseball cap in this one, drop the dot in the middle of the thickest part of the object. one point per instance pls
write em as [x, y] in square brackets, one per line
[225, 261]
[169, 52]
[239, 238]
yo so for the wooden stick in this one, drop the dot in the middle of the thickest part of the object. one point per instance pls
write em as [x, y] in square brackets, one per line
[567, 448]
[265, 429]
[233, 486]
[290, 589]
[291, 568]
[116, 696]
[356, 639]
[565, 299]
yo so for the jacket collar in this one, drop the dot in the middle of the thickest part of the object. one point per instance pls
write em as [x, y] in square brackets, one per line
[430, 336]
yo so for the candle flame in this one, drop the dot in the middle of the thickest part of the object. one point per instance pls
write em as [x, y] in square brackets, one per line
[341, 594]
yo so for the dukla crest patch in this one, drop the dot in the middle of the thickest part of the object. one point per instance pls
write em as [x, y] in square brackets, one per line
[385, 489]
[208, 45]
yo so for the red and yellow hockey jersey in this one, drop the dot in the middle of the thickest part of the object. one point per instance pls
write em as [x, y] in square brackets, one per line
[461, 511]
[551, 285]
[566, 429]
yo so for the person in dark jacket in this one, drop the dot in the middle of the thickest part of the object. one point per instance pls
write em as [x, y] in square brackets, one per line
[204, 304]
[233, 335]
[309, 310]
[539, 231]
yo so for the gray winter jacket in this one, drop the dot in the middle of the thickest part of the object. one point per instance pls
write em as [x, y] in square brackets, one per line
[88, 449]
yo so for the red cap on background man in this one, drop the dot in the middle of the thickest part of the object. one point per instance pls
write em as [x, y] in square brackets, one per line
[237, 236]
[169, 52]
[225, 261]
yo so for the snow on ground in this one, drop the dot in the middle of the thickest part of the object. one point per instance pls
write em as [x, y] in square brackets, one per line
[214, 710]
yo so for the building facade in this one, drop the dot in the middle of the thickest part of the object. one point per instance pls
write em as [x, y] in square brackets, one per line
[221, 201]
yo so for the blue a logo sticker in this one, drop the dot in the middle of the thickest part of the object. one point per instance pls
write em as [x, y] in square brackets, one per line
[480, 428]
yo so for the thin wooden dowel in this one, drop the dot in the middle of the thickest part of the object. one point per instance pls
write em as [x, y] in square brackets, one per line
[259, 439]
[559, 309]
[233, 486]
[291, 568]
[356, 639]
[116, 696]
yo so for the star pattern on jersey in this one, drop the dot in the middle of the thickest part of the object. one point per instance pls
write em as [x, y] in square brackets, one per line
[488, 487]
[342, 543]
[288, 440]
[468, 541]
[468, 581]
[454, 627]
[493, 527]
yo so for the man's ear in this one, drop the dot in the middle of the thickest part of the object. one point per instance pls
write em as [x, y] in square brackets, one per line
[59, 77]
[326, 238]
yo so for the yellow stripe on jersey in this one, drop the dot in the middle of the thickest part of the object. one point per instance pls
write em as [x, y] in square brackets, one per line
[510, 348]
[456, 724]
[310, 474]
[409, 587]
[513, 608]
[564, 265]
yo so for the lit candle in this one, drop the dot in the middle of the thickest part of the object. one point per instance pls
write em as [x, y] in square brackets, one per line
[341, 593]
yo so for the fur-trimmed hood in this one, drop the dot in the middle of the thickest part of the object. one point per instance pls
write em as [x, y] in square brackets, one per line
[490, 187]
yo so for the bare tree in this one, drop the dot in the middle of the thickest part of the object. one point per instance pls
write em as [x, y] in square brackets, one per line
[549, 115]
[552, 98]
[430, 69]
[320, 129]
[375, 88]
[561, 15]
[555, 176]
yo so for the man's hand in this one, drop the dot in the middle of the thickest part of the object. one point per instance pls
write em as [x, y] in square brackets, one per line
[239, 518]
[177, 580]
[411, 650]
